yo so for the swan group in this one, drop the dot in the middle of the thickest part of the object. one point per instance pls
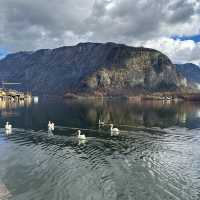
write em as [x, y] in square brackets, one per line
[51, 127]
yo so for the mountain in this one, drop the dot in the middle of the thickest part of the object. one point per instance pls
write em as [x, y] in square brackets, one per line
[109, 68]
[190, 71]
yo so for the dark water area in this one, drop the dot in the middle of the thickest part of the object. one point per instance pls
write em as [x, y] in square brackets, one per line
[155, 156]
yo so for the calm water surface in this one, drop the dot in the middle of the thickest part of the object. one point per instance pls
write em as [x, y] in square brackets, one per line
[156, 155]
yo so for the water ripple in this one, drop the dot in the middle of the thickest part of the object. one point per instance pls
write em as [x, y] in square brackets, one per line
[144, 163]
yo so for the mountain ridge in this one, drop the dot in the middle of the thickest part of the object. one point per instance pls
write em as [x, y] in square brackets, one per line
[107, 68]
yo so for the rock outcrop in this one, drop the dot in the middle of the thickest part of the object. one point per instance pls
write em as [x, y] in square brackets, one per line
[109, 69]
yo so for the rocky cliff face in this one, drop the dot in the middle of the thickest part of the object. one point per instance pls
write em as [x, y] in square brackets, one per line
[92, 67]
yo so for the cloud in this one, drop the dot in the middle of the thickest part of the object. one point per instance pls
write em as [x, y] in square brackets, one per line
[177, 50]
[29, 25]
[181, 11]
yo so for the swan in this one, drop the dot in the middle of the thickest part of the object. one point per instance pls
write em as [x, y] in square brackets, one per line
[101, 123]
[114, 131]
[8, 127]
[81, 136]
[50, 126]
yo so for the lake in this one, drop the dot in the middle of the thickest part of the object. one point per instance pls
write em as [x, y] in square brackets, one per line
[156, 156]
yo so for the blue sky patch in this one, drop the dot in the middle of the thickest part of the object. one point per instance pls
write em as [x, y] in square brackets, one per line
[3, 53]
[195, 38]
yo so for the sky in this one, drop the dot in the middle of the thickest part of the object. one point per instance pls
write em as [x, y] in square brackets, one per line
[170, 26]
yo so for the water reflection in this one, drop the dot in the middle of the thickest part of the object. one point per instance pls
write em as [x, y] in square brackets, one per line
[14, 104]
[8, 132]
[198, 113]
[88, 114]
[82, 142]
[148, 114]
[155, 156]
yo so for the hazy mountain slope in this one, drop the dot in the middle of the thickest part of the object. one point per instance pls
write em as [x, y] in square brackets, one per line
[189, 71]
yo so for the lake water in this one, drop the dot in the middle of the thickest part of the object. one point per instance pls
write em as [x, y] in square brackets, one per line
[155, 156]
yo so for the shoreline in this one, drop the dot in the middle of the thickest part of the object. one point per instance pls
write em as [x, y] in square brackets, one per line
[165, 96]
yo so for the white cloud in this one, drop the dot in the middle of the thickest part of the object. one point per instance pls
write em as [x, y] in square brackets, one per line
[178, 51]
[29, 25]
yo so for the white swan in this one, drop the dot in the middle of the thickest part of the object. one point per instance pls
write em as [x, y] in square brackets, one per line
[8, 127]
[114, 131]
[51, 126]
[81, 136]
[101, 123]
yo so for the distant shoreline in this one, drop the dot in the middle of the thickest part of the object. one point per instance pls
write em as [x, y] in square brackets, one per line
[165, 96]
